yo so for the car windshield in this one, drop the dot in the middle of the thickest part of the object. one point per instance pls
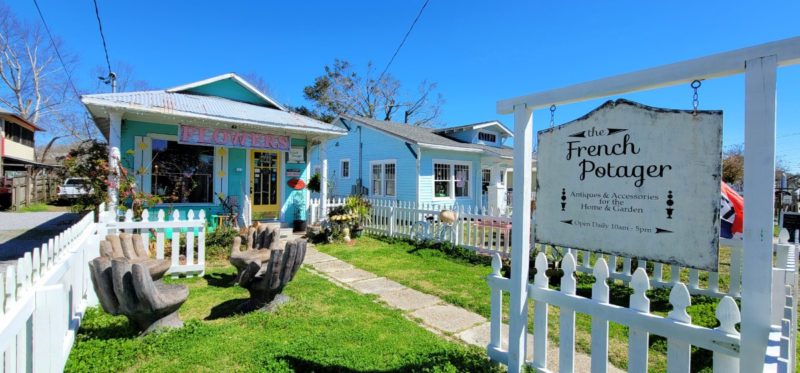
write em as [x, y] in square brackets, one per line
[75, 182]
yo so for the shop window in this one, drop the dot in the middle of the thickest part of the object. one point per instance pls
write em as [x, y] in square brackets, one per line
[383, 178]
[441, 180]
[182, 173]
[461, 180]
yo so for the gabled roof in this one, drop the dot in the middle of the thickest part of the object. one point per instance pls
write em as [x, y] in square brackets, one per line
[428, 138]
[7, 114]
[197, 88]
[475, 126]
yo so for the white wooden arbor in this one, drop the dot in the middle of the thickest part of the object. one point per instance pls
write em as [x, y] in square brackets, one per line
[759, 65]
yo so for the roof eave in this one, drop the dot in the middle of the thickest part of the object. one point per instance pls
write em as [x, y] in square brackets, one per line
[233, 76]
[92, 102]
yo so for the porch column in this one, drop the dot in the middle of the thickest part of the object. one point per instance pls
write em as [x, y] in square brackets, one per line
[497, 191]
[114, 135]
[323, 181]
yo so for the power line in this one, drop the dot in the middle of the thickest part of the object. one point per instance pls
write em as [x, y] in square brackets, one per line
[102, 35]
[404, 40]
[55, 47]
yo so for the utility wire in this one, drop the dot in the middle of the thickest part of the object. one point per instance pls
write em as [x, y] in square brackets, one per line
[55, 47]
[102, 36]
[404, 40]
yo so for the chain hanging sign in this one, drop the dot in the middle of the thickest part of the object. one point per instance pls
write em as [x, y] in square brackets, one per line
[635, 181]
[193, 135]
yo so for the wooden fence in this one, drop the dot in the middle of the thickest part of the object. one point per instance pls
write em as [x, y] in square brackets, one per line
[33, 188]
[44, 295]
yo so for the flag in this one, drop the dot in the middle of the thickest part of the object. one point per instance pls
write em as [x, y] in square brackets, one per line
[731, 213]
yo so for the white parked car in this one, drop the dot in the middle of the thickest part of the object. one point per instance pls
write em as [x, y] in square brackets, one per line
[73, 188]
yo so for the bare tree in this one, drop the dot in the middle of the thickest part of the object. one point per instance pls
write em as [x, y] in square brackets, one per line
[258, 82]
[341, 90]
[34, 83]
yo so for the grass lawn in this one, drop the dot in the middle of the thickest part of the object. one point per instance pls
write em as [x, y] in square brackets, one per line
[462, 282]
[324, 329]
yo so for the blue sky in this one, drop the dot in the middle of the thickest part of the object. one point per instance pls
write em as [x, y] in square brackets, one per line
[478, 52]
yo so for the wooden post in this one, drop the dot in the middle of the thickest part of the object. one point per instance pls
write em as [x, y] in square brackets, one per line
[759, 166]
[521, 223]
[323, 181]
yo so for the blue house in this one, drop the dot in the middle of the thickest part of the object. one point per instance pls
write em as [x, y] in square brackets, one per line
[456, 166]
[218, 139]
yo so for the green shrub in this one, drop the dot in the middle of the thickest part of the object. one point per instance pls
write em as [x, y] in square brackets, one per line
[219, 242]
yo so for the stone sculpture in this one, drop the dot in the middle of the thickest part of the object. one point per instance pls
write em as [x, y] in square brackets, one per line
[265, 281]
[131, 247]
[125, 287]
[260, 241]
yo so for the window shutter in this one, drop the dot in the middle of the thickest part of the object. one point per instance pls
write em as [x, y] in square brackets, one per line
[221, 172]
[142, 163]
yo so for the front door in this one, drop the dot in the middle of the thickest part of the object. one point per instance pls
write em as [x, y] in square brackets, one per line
[265, 184]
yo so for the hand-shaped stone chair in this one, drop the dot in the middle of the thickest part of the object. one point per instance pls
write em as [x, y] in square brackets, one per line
[265, 281]
[260, 242]
[131, 247]
[125, 287]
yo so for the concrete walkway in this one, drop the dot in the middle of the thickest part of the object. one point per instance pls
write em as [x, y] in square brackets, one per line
[429, 311]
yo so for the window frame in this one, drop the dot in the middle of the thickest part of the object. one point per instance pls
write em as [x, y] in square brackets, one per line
[382, 164]
[341, 168]
[148, 187]
[494, 135]
[452, 182]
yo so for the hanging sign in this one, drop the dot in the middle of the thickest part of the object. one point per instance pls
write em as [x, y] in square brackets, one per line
[635, 181]
[231, 138]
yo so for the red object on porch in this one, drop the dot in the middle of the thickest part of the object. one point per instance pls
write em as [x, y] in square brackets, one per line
[297, 184]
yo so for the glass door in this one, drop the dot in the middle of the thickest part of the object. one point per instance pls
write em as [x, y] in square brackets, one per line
[265, 184]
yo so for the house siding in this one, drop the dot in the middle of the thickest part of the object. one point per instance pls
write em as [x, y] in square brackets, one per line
[426, 178]
[377, 146]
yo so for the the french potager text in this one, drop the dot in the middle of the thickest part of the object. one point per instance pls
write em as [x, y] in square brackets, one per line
[587, 167]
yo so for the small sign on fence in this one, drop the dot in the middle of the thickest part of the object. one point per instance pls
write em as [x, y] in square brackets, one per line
[633, 180]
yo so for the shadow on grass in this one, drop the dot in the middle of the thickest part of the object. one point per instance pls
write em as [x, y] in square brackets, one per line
[225, 309]
[119, 329]
[443, 361]
[220, 280]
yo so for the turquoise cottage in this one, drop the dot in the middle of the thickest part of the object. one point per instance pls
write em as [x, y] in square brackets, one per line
[213, 140]
[455, 166]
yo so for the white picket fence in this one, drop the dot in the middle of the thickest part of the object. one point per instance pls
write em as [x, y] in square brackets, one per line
[480, 230]
[44, 296]
[677, 327]
[186, 261]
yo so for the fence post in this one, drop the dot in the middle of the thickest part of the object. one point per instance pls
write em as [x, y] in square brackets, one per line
[391, 221]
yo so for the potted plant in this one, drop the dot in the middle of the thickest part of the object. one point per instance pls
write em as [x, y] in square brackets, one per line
[360, 209]
[299, 224]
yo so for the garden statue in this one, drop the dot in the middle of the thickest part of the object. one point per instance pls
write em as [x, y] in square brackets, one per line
[265, 281]
[131, 247]
[125, 287]
[260, 241]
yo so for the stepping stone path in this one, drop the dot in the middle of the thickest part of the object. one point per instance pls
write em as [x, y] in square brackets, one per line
[429, 311]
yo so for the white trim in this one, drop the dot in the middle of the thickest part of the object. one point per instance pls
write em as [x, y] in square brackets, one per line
[452, 163]
[383, 163]
[454, 148]
[161, 136]
[341, 168]
[237, 79]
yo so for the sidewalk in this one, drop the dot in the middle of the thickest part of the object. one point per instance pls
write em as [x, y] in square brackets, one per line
[429, 311]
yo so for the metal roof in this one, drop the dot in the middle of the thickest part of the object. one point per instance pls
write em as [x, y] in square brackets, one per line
[427, 137]
[6, 113]
[205, 108]
[472, 126]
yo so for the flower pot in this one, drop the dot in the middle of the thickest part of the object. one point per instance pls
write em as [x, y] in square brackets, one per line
[299, 226]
